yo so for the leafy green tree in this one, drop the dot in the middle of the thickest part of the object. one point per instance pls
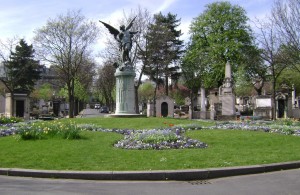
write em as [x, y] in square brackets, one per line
[81, 92]
[243, 86]
[21, 70]
[63, 92]
[81, 95]
[146, 92]
[45, 92]
[290, 77]
[178, 96]
[218, 35]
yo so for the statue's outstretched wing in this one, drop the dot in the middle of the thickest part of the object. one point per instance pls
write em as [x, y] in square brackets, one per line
[130, 24]
[111, 29]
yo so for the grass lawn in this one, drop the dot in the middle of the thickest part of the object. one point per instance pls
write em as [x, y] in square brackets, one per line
[137, 123]
[96, 152]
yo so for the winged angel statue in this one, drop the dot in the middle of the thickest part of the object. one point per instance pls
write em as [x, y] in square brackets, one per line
[124, 37]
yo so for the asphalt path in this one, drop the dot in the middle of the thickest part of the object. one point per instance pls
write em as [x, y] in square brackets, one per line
[86, 113]
[273, 183]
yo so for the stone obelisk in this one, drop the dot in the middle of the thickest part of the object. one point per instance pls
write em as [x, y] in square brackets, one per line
[227, 96]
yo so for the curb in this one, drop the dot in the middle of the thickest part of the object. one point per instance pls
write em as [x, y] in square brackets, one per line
[178, 175]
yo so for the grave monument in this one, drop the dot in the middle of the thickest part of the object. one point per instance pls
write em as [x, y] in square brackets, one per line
[125, 74]
[227, 96]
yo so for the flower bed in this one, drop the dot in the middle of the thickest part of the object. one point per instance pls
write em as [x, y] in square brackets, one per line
[41, 130]
[158, 139]
[171, 137]
[163, 138]
[271, 127]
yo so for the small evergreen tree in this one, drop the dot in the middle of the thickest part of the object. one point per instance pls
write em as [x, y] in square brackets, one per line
[21, 70]
[164, 49]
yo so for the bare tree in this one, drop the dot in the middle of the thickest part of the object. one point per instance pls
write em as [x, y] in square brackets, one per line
[7, 46]
[272, 54]
[64, 43]
[85, 77]
[106, 84]
[286, 17]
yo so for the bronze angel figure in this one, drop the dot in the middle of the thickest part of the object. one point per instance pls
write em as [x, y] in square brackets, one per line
[124, 37]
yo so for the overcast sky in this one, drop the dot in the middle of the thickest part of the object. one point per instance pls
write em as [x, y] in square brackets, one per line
[21, 17]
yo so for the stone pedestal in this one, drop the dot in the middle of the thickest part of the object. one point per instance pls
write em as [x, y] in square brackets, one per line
[203, 100]
[8, 107]
[125, 103]
[227, 96]
[150, 109]
[212, 112]
[228, 105]
[190, 112]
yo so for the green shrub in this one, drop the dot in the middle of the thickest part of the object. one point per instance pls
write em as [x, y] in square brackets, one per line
[44, 130]
[6, 120]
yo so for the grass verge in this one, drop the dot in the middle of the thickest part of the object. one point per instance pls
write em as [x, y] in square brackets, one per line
[95, 150]
[137, 123]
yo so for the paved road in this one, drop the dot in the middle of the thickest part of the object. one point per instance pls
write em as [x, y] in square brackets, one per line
[274, 183]
[86, 113]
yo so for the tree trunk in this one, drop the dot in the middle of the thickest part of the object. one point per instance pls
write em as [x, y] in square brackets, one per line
[71, 98]
[71, 106]
[274, 99]
[76, 106]
[136, 89]
[136, 99]
[167, 86]
[154, 100]
[192, 104]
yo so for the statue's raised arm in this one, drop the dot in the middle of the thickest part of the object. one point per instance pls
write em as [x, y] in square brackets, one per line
[130, 24]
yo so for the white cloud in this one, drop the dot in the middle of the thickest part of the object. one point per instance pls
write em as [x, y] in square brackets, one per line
[164, 5]
[23, 17]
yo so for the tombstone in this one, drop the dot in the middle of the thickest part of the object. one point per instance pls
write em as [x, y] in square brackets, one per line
[187, 101]
[212, 112]
[295, 104]
[263, 106]
[227, 97]
[190, 112]
[150, 109]
[202, 104]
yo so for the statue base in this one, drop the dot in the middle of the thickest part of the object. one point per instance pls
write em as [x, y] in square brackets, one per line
[125, 94]
[125, 116]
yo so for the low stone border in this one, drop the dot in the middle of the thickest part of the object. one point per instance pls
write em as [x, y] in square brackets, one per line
[179, 175]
